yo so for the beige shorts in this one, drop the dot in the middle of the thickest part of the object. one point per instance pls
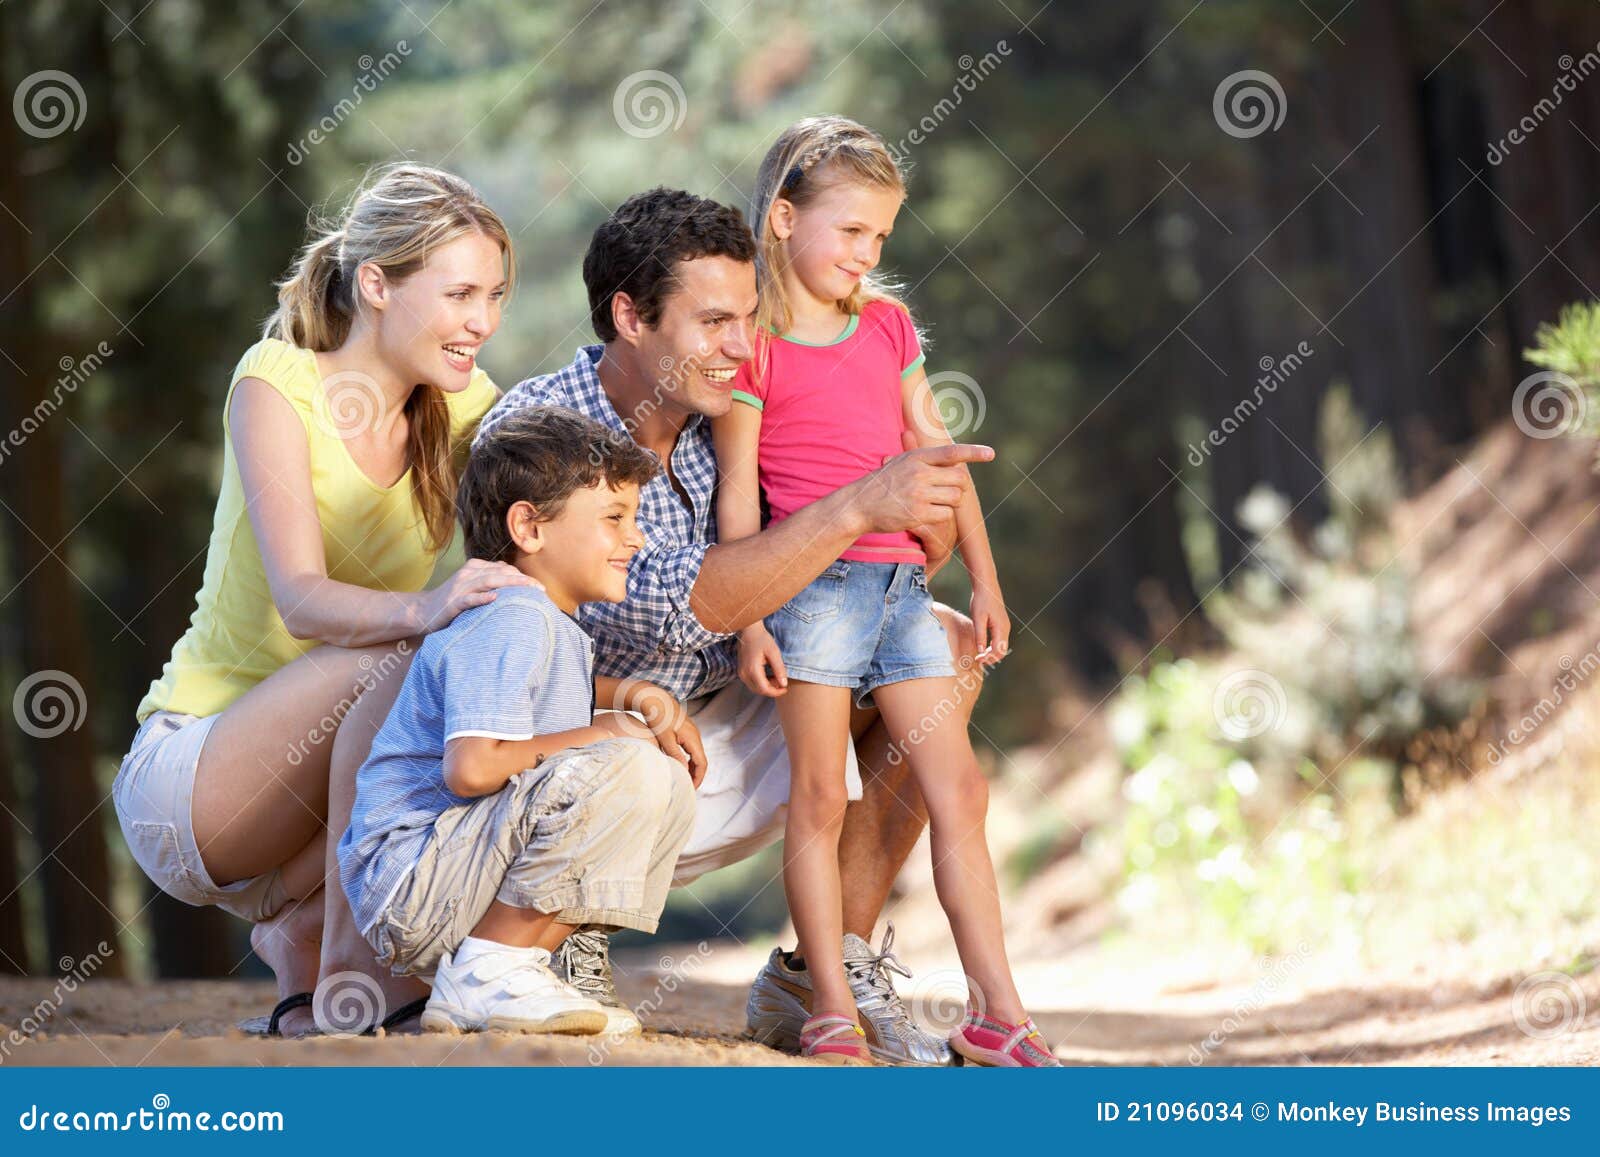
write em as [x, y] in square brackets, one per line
[742, 805]
[591, 835]
[154, 797]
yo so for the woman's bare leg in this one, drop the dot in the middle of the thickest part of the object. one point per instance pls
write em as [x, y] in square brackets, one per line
[344, 949]
[261, 786]
[290, 943]
[261, 795]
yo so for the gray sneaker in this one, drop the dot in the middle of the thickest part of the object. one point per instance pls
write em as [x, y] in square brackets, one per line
[584, 961]
[780, 1003]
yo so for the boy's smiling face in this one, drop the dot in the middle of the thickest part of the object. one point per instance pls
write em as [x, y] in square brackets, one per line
[582, 554]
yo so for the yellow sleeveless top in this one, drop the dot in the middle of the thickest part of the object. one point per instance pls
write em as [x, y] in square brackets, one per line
[373, 537]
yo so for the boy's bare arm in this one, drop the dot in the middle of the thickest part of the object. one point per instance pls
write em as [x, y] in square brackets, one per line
[666, 720]
[477, 765]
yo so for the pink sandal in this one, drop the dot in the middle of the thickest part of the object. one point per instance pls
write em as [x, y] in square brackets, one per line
[835, 1039]
[984, 1040]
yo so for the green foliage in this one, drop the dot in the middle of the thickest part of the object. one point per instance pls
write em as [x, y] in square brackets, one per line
[1243, 764]
[1571, 346]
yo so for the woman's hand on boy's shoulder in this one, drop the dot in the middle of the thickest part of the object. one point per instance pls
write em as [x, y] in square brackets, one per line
[473, 585]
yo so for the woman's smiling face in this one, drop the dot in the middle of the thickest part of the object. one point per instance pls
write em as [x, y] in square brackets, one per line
[432, 324]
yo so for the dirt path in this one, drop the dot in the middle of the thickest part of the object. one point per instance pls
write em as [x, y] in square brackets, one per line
[1097, 1013]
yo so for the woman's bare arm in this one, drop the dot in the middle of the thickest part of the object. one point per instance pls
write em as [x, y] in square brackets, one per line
[275, 469]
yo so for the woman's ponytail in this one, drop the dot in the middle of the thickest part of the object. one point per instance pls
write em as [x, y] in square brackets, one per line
[315, 302]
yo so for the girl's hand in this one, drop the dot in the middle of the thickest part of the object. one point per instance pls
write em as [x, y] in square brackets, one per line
[761, 662]
[471, 586]
[991, 625]
[669, 725]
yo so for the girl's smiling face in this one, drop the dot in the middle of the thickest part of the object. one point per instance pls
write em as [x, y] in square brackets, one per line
[837, 237]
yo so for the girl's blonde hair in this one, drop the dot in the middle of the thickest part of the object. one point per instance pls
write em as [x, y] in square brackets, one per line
[810, 156]
[401, 213]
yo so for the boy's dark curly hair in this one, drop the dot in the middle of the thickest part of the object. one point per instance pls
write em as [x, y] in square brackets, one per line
[540, 454]
[637, 249]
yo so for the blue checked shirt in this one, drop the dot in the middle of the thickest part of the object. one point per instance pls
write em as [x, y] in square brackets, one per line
[654, 634]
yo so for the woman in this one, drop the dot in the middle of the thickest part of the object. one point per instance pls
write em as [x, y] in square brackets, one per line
[342, 433]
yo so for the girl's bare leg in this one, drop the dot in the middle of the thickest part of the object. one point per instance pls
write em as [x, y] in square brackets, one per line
[816, 728]
[882, 827]
[957, 798]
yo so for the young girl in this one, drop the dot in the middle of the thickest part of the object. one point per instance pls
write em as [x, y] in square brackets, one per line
[836, 380]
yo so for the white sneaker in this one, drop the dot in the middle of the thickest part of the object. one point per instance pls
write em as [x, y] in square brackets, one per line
[512, 990]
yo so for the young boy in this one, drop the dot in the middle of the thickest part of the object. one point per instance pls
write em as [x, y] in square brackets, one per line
[497, 813]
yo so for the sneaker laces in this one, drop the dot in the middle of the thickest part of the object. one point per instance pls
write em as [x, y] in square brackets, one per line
[875, 971]
[586, 959]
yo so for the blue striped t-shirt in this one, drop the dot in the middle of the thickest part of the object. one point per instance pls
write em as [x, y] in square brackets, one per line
[510, 669]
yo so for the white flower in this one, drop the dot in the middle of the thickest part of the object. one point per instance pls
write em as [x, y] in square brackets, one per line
[1202, 820]
[1242, 776]
[1128, 723]
[1138, 895]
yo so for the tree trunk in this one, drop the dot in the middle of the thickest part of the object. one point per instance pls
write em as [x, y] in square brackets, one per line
[57, 742]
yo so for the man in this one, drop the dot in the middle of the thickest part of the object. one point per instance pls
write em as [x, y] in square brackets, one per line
[672, 297]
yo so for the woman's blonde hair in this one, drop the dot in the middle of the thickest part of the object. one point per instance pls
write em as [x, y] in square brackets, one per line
[810, 156]
[401, 213]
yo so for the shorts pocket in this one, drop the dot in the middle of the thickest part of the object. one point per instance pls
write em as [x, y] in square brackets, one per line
[822, 597]
[155, 848]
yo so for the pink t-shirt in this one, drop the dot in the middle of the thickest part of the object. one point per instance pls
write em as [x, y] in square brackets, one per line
[831, 414]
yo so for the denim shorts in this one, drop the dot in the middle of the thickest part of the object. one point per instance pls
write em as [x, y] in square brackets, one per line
[863, 625]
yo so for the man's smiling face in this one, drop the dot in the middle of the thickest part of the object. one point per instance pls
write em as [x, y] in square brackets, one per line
[704, 333]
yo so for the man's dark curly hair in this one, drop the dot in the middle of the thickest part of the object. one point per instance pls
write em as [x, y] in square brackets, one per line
[637, 249]
[540, 454]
